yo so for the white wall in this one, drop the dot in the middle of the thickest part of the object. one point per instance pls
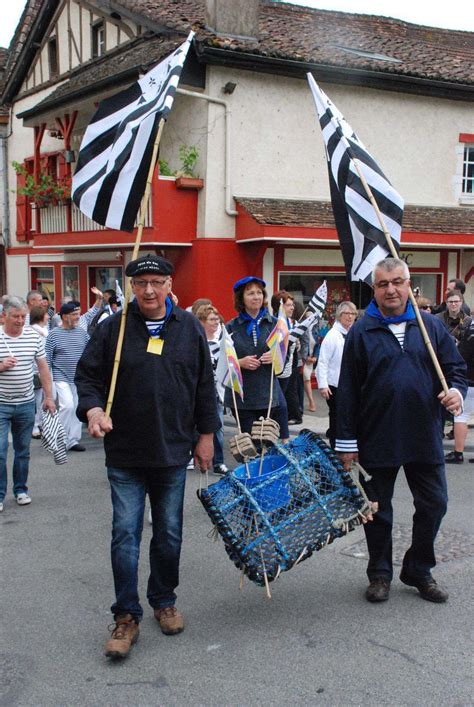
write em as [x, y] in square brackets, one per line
[17, 275]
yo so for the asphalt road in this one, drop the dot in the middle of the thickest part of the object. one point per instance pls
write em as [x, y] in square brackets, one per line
[316, 642]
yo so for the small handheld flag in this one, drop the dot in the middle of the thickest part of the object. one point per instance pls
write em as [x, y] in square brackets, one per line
[363, 240]
[228, 371]
[119, 293]
[277, 341]
[317, 303]
[116, 149]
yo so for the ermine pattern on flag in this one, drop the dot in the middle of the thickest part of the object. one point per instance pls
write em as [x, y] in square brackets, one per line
[115, 154]
[317, 303]
[363, 242]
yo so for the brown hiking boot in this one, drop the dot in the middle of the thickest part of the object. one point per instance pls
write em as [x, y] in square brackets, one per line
[123, 636]
[170, 620]
[378, 589]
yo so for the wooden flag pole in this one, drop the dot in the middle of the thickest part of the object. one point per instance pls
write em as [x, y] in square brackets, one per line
[136, 248]
[394, 254]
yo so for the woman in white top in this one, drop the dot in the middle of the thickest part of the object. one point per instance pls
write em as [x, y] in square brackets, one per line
[329, 361]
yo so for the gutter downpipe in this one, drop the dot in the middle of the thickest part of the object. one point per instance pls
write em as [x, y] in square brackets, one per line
[228, 195]
[6, 194]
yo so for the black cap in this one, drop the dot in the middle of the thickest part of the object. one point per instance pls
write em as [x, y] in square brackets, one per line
[149, 264]
[69, 307]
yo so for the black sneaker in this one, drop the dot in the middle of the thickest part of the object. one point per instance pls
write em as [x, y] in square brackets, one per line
[378, 589]
[220, 469]
[454, 458]
[77, 448]
[428, 588]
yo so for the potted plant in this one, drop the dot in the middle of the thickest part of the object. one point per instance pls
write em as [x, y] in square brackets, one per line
[185, 177]
[45, 190]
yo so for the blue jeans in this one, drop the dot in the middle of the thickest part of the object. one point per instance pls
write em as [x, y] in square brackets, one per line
[165, 487]
[20, 419]
[427, 484]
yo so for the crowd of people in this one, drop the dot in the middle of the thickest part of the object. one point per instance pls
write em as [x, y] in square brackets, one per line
[169, 407]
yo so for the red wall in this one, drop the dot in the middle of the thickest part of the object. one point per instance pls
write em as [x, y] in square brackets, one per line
[210, 268]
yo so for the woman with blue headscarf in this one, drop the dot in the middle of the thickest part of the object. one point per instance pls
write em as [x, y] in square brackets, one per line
[250, 330]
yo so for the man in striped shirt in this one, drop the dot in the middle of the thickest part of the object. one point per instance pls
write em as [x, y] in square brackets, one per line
[64, 347]
[20, 346]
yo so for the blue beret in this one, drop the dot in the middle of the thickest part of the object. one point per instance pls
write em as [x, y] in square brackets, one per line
[246, 280]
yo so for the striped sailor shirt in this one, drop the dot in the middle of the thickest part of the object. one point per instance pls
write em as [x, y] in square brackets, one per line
[64, 348]
[16, 384]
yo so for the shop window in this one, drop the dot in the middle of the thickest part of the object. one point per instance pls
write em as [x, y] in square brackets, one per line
[98, 39]
[42, 279]
[304, 285]
[70, 282]
[105, 279]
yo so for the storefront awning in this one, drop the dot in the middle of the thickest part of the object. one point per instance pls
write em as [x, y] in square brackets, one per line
[312, 222]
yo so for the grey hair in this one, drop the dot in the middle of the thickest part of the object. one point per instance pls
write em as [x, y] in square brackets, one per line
[390, 264]
[343, 306]
[13, 302]
[31, 293]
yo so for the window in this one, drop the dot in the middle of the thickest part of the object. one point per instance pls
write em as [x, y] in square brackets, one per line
[42, 278]
[53, 58]
[98, 39]
[70, 282]
[468, 170]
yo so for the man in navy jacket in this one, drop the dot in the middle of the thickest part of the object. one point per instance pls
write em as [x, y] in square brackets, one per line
[389, 415]
[165, 390]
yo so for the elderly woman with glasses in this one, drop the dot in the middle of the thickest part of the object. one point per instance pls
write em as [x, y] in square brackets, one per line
[329, 361]
[250, 330]
[210, 320]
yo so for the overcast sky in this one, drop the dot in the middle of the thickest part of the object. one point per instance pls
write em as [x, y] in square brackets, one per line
[457, 14]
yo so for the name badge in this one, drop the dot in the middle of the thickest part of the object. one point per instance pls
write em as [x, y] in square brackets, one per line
[155, 346]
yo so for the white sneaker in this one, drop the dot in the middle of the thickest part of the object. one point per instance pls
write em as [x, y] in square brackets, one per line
[23, 499]
[1, 507]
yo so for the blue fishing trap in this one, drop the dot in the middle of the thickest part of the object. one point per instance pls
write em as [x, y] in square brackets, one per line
[275, 512]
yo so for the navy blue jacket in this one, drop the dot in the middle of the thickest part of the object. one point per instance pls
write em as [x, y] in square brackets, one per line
[158, 399]
[387, 397]
[256, 383]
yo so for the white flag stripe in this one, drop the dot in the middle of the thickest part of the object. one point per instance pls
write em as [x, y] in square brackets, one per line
[360, 232]
[367, 211]
[115, 152]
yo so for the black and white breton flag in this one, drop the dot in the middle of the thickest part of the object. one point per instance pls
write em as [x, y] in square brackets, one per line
[316, 306]
[115, 153]
[362, 239]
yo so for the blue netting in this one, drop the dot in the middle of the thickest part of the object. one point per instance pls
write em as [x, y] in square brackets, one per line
[297, 502]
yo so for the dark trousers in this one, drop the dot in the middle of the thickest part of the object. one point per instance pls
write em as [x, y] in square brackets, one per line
[332, 405]
[289, 387]
[427, 484]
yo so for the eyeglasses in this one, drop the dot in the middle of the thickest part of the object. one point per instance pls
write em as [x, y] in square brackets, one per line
[143, 284]
[425, 306]
[384, 284]
[453, 301]
[351, 314]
